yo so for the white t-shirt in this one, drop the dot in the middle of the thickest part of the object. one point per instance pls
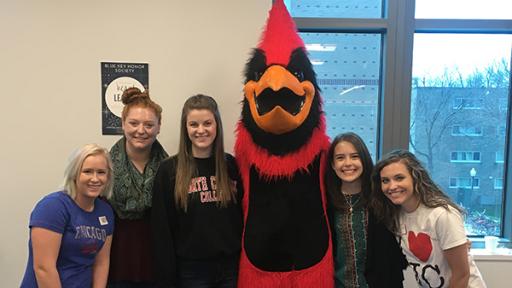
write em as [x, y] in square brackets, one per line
[425, 233]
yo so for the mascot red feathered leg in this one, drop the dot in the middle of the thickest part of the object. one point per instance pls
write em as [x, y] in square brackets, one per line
[280, 148]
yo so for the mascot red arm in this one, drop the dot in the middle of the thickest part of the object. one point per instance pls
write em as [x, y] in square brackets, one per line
[280, 149]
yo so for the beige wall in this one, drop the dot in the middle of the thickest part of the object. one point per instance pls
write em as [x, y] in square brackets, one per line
[50, 54]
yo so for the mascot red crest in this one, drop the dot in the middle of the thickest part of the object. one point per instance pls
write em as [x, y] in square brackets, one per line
[280, 147]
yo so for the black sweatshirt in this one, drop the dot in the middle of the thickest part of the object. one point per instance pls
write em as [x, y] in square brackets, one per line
[205, 231]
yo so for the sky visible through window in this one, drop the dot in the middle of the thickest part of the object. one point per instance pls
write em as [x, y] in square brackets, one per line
[464, 9]
[437, 54]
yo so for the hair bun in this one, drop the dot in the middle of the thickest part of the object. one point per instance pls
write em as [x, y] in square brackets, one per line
[132, 94]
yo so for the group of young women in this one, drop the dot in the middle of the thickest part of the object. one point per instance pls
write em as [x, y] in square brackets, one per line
[195, 198]
[178, 220]
[373, 207]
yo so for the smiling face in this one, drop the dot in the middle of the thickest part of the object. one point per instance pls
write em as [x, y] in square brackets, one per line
[202, 131]
[141, 126]
[398, 186]
[347, 163]
[92, 178]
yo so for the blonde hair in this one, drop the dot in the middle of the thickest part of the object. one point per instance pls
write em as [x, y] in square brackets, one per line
[74, 166]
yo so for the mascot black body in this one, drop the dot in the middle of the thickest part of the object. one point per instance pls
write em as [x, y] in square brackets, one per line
[280, 148]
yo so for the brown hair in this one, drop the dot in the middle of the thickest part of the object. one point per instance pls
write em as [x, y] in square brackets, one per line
[133, 97]
[186, 168]
[334, 183]
[427, 191]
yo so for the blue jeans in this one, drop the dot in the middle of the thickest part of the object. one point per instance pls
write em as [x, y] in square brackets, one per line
[211, 273]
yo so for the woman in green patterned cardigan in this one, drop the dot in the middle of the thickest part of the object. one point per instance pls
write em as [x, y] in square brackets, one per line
[136, 158]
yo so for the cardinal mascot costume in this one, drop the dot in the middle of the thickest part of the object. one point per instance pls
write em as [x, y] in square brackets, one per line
[281, 148]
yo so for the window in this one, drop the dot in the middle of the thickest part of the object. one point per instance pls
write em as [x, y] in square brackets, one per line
[499, 157]
[503, 104]
[464, 182]
[498, 183]
[467, 103]
[348, 72]
[489, 9]
[428, 76]
[458, 130]
[465, 156]
[335, 8]
[446, 72]
[500, 130]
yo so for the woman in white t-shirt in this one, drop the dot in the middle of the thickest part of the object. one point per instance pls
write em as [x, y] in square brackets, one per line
[428, 223]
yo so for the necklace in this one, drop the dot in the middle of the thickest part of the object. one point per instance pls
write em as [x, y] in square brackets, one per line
[348, 199]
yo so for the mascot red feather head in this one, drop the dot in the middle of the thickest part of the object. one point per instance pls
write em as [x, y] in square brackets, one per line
[280, 38]
[282, 113]
[280, 149]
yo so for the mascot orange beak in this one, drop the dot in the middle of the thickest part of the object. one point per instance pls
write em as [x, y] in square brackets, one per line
[288, 110]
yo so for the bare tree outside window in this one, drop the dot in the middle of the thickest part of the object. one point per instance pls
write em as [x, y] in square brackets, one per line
[473, 106]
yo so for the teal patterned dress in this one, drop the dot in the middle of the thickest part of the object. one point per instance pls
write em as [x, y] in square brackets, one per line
[350, 234]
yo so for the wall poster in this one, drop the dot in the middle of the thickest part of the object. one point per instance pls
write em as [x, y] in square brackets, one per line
[115, 78]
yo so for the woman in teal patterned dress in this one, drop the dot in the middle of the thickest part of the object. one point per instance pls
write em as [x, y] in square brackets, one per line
[366, 254]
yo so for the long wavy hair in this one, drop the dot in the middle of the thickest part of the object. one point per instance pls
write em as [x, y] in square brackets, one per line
[187, 169]
[334, 183]
[427, 191]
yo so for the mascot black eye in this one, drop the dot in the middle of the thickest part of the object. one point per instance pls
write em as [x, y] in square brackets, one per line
[257, 75]
[299, 75]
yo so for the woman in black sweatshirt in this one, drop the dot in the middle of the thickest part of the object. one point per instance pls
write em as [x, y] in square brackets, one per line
[196, 215]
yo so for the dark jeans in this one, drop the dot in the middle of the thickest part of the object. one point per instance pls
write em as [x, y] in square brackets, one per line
[127, 284]
[212, 273]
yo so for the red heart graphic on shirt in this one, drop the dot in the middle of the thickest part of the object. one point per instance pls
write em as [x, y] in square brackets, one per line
[420, 245]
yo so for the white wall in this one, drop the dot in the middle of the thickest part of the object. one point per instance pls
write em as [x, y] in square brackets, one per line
[50, 54]
[496, 272]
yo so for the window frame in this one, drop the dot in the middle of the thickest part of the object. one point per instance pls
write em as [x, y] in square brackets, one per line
[465, 154]
[458, 180]
[398, 26]
[467, 131]
[467, 103]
